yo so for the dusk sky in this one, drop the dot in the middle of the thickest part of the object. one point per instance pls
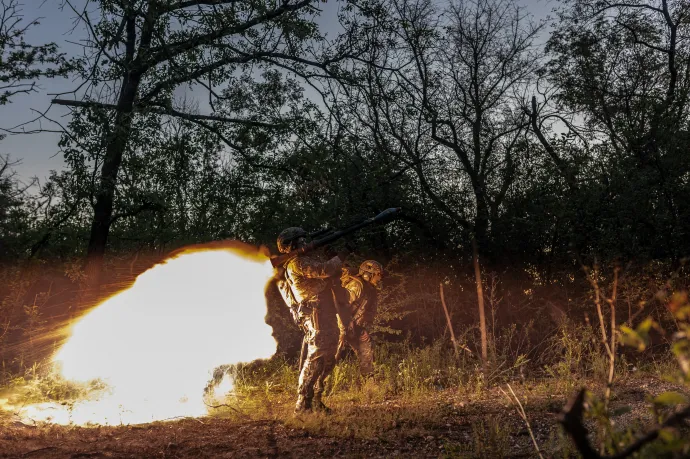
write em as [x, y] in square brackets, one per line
[39, 153]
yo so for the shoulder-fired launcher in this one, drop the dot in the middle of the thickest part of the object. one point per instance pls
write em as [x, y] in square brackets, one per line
[383, 217]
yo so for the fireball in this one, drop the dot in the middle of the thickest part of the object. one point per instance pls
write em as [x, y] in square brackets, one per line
[155, 344]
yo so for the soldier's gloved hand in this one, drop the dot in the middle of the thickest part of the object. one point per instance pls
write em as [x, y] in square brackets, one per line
[295, 317]
[278, 272]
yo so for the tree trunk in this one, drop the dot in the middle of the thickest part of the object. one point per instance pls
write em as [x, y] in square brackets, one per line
[481, 224]
[103, 208]
[480, 300]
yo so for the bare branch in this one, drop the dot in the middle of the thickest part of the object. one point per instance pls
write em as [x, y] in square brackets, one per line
[145, 207]
[163, 110]
[160, 54]
[571, 419]
[560, 164]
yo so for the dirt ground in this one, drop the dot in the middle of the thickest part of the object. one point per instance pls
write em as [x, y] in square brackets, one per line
[442, 424]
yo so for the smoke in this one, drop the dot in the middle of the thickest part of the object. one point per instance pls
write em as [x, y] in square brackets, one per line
[156, 343]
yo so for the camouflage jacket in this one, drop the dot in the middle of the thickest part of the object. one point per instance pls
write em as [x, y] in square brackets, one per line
[363, 300]
[308, 276]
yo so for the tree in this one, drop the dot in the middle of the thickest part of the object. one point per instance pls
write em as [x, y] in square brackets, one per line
[14, 213]
[450, 109]
[471, 91]
[622, 69]
[141, 51]
[22, 63]
[441, 94]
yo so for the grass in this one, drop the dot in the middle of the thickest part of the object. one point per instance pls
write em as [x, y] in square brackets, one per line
[402, 370]
[421, 392]
[421, 396]
[36, 386]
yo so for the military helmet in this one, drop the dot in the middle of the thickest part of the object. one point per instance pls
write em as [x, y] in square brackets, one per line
[371, 267]
[288, 236]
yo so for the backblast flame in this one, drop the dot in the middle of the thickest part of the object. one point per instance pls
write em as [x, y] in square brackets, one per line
[156, 343]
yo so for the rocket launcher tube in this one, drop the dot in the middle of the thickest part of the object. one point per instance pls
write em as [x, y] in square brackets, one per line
[383, 217]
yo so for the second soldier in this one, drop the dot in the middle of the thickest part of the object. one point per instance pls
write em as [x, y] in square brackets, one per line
[363, 304]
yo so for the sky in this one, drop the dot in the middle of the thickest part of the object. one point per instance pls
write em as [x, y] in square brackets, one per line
[38, 153]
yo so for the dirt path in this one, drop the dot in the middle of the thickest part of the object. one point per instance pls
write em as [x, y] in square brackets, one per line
[224, 438]
[444, 424]
[215, 438]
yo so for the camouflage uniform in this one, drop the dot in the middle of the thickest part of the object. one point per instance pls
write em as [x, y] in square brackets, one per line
[316, 313]
[363, 304]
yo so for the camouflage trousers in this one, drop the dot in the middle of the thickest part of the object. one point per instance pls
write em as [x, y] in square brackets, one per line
[360, 342]
[321, 333]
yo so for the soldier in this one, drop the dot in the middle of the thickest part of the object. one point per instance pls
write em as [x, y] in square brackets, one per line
[363, 303]
[308, 290]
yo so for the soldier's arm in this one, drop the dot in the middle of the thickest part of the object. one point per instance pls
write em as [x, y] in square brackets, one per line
[284, 289]
[286, 292]
[367, 310]
[309, 267]
[355, 290]
[359, 314]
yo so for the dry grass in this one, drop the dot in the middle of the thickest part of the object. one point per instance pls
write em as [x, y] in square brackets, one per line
[424, 400]
[367, 421]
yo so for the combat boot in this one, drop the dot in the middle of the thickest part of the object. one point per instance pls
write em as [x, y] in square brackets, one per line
[303, 404]
[318, 405]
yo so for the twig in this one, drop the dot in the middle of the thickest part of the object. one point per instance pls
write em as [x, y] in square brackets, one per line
[480, 300]
[39, 450]
[650, 436]
[612, 362]
[7, 327]
[456, 344]
[450, 325]
[225, 405]
[523, 415]
[182, 417]
[571, 420]
[608, 347]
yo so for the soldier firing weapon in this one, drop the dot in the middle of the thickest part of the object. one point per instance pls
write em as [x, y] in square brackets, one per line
[327, 236]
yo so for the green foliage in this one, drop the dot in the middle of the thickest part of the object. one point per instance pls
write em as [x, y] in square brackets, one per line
[576, 346]
[490, 439]
[672, 442]
[670, 399]
[39, 384]
[639, 337]
[16, 219]
[392, 306]
[639, 168]
[272, 376]
[400, 370]
[290, 161]
[22, 63]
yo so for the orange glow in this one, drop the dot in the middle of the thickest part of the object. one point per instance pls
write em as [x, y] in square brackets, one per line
[156, 343]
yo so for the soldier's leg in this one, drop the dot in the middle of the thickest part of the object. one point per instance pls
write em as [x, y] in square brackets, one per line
[341, 346]
[327, 342]
[311, 369]
[329, 346]
[364, 351]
